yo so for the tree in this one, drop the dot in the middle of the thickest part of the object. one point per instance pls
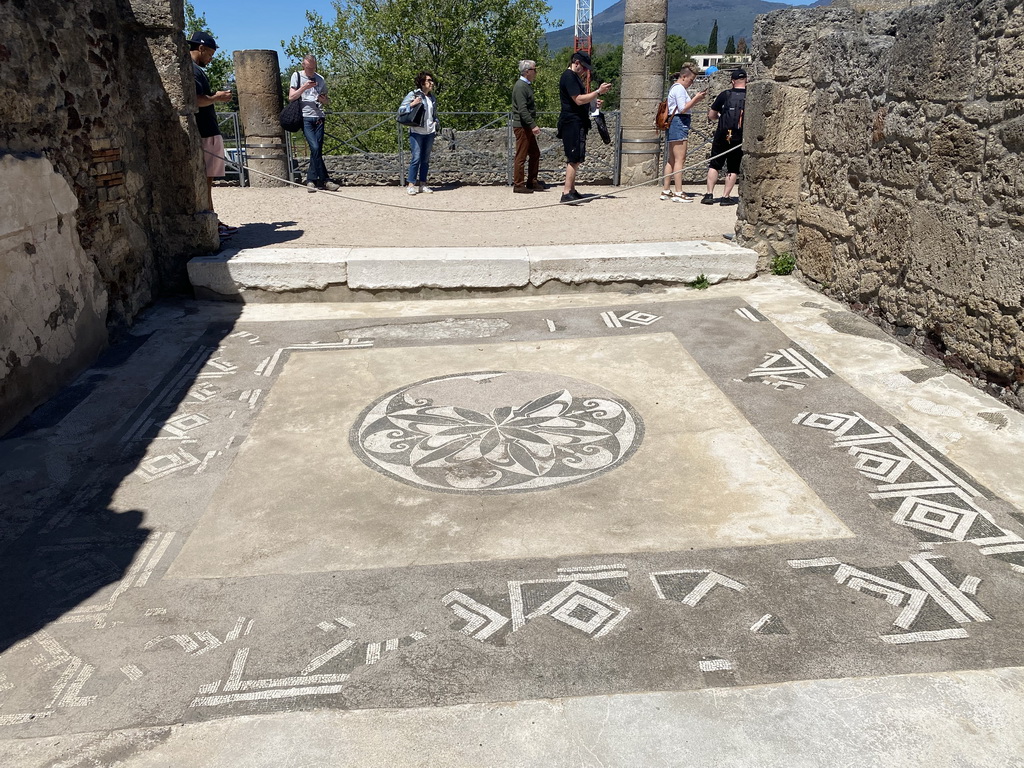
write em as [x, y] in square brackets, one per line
[221, 70]
[730, 46]
[373, 49]
[713, 39]
[678, 52]
[741, 46]
[607, 69]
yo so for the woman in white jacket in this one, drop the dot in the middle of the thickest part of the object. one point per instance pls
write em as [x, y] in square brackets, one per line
[421, 134]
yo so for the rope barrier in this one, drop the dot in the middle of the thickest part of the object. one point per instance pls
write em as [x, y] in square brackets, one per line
[490, 210]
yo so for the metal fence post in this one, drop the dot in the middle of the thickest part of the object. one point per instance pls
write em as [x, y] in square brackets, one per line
[401, 155]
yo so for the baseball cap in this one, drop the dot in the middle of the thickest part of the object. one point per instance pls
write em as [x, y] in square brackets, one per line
[739, 74]
[583, 59]
[203, 38]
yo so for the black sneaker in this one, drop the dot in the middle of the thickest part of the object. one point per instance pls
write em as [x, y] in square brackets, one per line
[569, 198]
[729, 201]
[708, 199]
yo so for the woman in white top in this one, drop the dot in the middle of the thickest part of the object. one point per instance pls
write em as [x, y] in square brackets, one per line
[421, 135]
[679, 105]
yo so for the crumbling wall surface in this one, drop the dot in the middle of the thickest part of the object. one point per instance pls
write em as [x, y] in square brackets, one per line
[100, 181]
[884, 150]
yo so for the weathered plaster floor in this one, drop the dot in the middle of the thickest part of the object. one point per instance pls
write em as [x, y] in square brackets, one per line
[567, 530]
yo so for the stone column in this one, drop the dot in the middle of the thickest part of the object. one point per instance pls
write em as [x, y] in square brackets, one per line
[643, 85]
[258, 80]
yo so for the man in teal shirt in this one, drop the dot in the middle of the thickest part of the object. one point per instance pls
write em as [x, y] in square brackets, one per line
[524, 125]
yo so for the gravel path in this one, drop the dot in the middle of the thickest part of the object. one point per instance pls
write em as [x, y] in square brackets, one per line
[388, 217]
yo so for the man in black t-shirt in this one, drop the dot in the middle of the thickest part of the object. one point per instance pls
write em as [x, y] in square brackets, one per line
[574, 119]
[727, 109]
[202, 47]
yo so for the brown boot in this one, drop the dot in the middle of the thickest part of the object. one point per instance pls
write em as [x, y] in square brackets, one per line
[522, 190]
[536, 186]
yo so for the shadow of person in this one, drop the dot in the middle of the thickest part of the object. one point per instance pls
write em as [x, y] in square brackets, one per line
[262, 234]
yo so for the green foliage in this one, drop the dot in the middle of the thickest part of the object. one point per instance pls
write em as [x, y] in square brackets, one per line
[730, 46]
[783, 264]
[701, 283]
[607, 69]
[713, 39]
[372, 50]
[678, 52]
[221, 70]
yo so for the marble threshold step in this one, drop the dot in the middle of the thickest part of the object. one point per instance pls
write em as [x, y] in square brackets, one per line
[337, 274]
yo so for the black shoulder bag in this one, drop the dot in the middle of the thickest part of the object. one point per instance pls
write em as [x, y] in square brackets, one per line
[291, 116]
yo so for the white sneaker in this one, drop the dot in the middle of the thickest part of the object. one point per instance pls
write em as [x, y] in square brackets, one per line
[426, 190]
[665, 195]
[680, 199]
[412, 190]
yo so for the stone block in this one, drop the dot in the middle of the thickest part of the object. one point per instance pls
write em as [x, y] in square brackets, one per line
[158, 14]
[816, 254]
[828, 221]
[398, 268]
[640, 262]
[643, 48]
[774, 118]
[645, 11]
[276, 270]
[31, 194]
[258, 71]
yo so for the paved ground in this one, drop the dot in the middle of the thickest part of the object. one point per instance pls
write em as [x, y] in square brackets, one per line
[465, 216]
[672, 527]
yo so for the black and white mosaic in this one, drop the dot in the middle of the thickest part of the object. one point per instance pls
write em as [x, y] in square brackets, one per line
[497, 431]
[929, 579]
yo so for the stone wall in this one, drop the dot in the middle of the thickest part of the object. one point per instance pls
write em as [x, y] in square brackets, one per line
[100, 181]
[883, 150]
[469, 157]
[483, 156]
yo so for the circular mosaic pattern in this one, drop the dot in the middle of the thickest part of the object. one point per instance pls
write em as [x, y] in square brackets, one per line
[493, 432]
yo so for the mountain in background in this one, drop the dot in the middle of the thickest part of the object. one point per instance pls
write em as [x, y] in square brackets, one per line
[690, 19]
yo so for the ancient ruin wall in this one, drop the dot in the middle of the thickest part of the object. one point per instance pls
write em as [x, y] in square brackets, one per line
[884, 152]
[100, 181]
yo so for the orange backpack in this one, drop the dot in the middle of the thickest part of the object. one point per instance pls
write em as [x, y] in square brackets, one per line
[662, 119]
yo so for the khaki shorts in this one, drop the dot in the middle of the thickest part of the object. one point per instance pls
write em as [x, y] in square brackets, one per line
[213, 156]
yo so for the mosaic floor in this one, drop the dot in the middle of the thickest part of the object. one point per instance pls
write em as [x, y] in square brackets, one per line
[247, 517]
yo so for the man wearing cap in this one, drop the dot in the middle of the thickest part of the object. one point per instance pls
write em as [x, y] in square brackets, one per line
[574, 119]
[202, 47]
[727, 109]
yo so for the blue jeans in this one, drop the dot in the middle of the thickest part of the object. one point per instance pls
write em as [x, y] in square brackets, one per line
[420, 144]
[313, 130]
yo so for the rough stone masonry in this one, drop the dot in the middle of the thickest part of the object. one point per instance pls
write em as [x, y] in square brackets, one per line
[100, 181]
[884, 152]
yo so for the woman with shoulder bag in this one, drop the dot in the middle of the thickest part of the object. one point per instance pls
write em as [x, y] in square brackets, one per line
[679, 105]
[422, 133]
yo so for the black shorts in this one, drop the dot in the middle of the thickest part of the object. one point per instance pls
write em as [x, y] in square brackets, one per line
[574, 142]
[732, 160]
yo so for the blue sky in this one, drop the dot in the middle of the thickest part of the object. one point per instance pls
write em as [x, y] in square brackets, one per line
[263, 24]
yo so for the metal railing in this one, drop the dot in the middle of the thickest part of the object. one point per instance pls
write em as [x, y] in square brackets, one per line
[383, 142]
[234, 147]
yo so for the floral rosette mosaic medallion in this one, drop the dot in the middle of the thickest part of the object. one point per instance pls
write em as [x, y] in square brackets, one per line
[492, 432]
